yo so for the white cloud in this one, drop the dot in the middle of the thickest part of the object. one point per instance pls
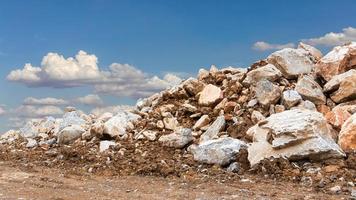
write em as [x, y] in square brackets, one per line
[334, 39]
[28, 111]
[121, 80]
[45, 101]
[111, 109]
[264, 46]
[2, 111]
[91, 99]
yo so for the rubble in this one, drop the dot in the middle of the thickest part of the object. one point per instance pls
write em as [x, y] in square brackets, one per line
[178, 139]
[214, 129]
[211, 94]
[117, 125]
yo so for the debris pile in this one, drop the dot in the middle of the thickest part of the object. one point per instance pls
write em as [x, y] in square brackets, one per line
[296, 107]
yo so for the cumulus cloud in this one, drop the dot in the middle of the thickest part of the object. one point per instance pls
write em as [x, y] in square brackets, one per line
[333, 39]
[91, 99]
[2, 111]
[122, 80]
[264, 46]
[111, 109]
[29, 111]
[45, 101]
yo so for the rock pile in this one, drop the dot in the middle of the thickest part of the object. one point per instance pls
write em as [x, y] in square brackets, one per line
[295, 105]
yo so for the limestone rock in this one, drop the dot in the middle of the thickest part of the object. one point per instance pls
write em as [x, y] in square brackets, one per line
[336, 80]
[268, 72]
[105, 145]
[170, 123]
[337, 61]
[267, 93]
[347, 135]
[220, 151]
[193, 86]
[72, 118]
[70, 134]
[10, 136]
[150, 135]
[346, 91]
[310, 90]
[214, 129]
[308, 105]
[256, 117]
[203, 121]
[293, 134]
[31, 143]
[211, 94]
[313, 52]
[339, 114]
[117, 125]
[291, 62]
[177, 139]
[290, 98]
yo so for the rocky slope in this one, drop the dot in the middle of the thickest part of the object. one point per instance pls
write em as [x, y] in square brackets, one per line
[291, 115]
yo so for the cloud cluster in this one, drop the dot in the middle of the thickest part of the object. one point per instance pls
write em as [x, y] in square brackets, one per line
[121, 80]
[333, 39]
[29, 111]
[91, 99]
[45, 101]
[264, 46]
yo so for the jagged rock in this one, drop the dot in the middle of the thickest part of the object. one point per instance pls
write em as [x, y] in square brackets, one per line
[290, 98]
[291, 62]
[214, 129]
[339, 114]
[346, 90]
[256, 117]
[117, 125]
[313, 52]
[347, 135]
[71, 118]
[220, 151]
[178, 139]
[70, 134]
[211, 94]
[202, 74]
[335, 81]
[31, 143]
[268, 72]
[30, 130]
[339, 60]
[310, 90]
[10, 136]
[97, 129]
[293, 134]
[267, 93]
[105, 145]
[105, 117]
[170, 123]
[203, 121]
[252, 103]
[308, 105]
[150, 135]
[193, 86]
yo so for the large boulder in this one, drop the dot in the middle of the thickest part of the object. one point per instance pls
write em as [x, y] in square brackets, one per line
[117, 125]
[293, 134]
[337, 61]
[310, 90]
[178, 139]
[214, 129]
[269, 72]
[220, 151]
[313, 52]
[210, 95]
[69, 134]
[334, 83]
[267, 93]
[346, 90]
[347, 135]
[291, 62]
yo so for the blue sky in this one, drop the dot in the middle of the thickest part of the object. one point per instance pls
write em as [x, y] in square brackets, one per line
[154, 37]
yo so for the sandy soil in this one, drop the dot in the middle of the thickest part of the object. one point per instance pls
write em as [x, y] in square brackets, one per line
[18, 182]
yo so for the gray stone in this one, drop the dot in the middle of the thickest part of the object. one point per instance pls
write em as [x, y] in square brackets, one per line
[70, 134]
[220, 151]
[290, 98]
[178, 139]
[214, 129]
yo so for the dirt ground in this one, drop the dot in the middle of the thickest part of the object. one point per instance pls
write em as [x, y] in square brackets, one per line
[18, 182]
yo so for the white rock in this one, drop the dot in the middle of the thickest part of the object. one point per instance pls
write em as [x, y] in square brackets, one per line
[268, 72]
[310, 90]
[308, 105]
[70, 134]
[293, 134]
[313, 52]
[31, 143]
[178, 139]
[117, 125]
[203, 121]
[211, 94]
[105, 145]
[220, 151]
[170, 123]
[256, 116]
[267, 93]
[214, 129]
[292, 62]
[72, 118]
[291, 98]
[10, 136]
[105, 117]
[150, 135]
[335, 81]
